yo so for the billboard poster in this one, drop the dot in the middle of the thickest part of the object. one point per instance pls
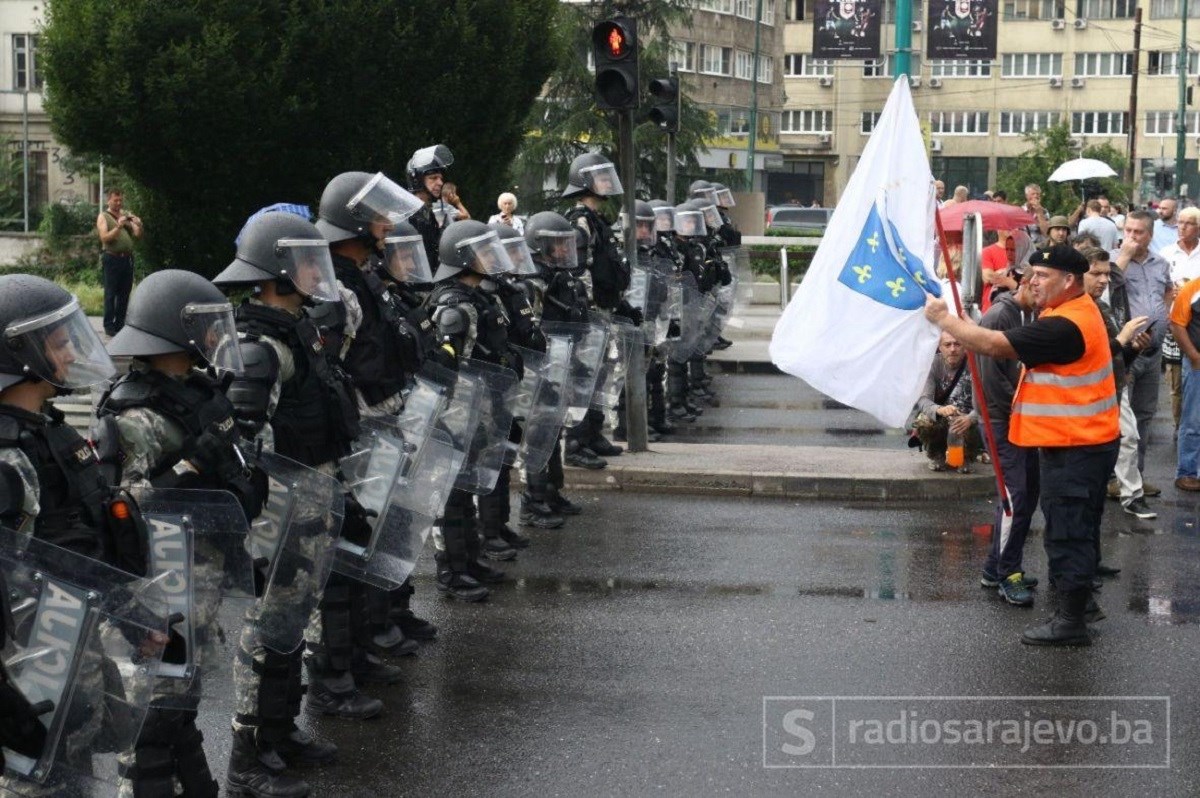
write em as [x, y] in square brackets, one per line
[962, 29]
[846, 29]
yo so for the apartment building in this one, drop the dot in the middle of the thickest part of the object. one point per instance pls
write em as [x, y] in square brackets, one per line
[1057, 61]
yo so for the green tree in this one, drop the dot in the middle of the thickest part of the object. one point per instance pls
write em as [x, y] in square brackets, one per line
[565, 121]
[217, 108]
[1048, 150]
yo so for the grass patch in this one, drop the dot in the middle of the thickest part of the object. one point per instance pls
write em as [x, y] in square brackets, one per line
[90, 295]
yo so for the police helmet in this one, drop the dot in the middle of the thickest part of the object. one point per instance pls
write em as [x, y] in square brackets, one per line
[643, 215]
[47, 336]
[470, 245]
[179, 311]
[553, 240]
[426, 161]
[287, 249]
[363, 205]
[592, 173]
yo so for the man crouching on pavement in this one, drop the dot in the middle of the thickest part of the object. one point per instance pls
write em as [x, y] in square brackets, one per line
[1066, 405]
[947, 405]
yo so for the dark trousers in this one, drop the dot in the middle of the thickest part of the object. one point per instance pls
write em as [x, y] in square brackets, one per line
[1020, 468]
[1074, 481]
[117, 274]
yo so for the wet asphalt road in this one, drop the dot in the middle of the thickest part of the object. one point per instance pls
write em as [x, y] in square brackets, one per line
[631, 652]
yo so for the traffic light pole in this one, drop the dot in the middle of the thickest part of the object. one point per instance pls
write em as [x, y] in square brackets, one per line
[1181, 118]
[635, 378]
[671, 140]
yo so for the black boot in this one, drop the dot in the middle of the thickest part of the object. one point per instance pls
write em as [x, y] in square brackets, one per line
[562, 505]
[459, 586]
[512, 537]
[485, 574]
[337, 695]
[581, 456]
[257, 771]
[401, 614]
[603, 446]
[1067, 627]
[298, 748]
[495, 547]
[461, 543]
[370, 669]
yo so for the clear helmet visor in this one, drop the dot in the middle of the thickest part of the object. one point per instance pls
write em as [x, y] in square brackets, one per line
[381, 204]
[712, 217]
[61, 348]
[689, 223]
[429, 158]
[602, 180]
[558, 249]
[518, 253]
[308, 264]
[405, 259]
[664, 219]
[212, 330]
[725, 198]
[646, 233]
[708, 195]
[486, 255]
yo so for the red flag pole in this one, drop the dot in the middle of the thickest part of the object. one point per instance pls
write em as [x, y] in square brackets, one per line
[988, 436]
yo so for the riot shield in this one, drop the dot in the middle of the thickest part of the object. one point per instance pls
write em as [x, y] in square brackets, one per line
[379, 474]
[588, 343]
[425, 400]
[292, 544]
[200, 535]
[490, 447]
[694, 313]
[542, 400]
[622, 337]
[88, 639]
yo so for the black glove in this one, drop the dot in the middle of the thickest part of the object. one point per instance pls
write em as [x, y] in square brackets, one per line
[513, 360]
[20, 729]
[356, 525]
[213, 456]
[248, 494]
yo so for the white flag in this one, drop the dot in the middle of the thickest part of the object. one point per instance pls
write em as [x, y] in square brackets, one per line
[855, 329]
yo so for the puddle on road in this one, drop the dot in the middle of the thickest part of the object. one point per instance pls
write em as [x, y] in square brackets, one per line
[610, 586]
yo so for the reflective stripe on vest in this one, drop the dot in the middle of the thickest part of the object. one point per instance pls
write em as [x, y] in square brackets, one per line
[1072, 404]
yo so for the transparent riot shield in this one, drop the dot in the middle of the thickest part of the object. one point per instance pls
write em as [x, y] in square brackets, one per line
[622, 337]
[638, 292]
[588, 343]
[292, 544]
[695, 311]
[200, 536]
[380, 474]
[490, 447]
[714, 320]
[86, 649]
[542, 400]
[425, 401]
[434, 473]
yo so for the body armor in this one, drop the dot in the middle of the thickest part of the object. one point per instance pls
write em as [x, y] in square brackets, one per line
[605, 259]
[386, 349]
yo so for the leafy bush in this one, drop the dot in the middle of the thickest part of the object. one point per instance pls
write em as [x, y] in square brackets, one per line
[764, 260]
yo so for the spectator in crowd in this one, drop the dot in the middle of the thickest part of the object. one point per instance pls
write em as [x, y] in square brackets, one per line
[1040, 226]
[1166, 226]
[507, 203]
[961, 194]
[999, 196]
[1003, 568]
[1084, 241]
[1146, 280]
[1058, 230]
[1012, 248]
[939, 188]
[1184, 257]
[1126, 341]
[1099, 225]
[1117, 214]
[1185, 324]
[117, 229]
[947, 405]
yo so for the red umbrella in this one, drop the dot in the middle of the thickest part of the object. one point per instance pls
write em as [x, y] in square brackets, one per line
[995, 215]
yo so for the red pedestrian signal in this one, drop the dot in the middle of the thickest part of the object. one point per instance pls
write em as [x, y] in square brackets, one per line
[614, 48]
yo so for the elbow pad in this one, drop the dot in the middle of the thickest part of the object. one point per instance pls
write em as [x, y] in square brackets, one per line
[451, 321]
[12, 492]
[250, 392]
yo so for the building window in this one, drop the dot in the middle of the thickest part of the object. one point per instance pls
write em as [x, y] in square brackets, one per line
[766, 69]
[1106, 9]
[869, 120]
[1017, 123]
[958, 123]
[939, 68]
[26, 75]
[1172, 9]
[740, 124]
[793, 10]
[1098, 123]
[716, 60]
[807, 122]
[719, 6]
[768, 12]
[1031, 65]
[684, 55]
[744, 65]
[803, 65]
[1162, 123]
[1166, 62]
[744, 8]
[1034, 9]
[1103, 65]
[882, 67]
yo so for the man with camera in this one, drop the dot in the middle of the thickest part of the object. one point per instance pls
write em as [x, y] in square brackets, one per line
[117, 228]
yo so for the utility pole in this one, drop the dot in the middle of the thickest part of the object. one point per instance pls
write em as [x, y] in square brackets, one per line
[1181, 120]
[903, 61]
[635, 377]
[1131, 171]
[752, 139]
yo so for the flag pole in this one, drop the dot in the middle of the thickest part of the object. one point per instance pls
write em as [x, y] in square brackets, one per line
[989, 437]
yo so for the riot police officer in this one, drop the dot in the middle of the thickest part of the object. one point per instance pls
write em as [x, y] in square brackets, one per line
[426, 171]
[294, 397]
[471, 322]
[167, 424]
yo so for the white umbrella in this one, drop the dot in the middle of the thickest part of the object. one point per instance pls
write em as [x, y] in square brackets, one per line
[1081, 169]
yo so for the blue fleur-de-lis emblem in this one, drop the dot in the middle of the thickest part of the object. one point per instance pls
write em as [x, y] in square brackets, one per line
[880, 266]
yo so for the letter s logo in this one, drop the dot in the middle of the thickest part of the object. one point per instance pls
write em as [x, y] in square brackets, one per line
[792, 727]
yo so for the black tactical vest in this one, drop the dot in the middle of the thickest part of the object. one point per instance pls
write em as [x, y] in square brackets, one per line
[410, 303]
[522, 326]
[607, 263]
[194, 403]
[316, 418]
[385, 351]
[71, 489]
[431, 233]
[565, 298]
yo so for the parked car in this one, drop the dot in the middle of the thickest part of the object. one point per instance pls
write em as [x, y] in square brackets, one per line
[801, 221]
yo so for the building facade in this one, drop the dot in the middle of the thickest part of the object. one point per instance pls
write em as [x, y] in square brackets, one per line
[1057, 61]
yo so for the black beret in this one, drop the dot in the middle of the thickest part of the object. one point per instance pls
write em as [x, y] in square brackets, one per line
[1060, 256]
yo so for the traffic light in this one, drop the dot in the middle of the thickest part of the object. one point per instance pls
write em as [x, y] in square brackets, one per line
[614, 45]
[665, 112]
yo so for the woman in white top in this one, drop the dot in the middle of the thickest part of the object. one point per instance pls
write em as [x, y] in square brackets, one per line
[507, 203]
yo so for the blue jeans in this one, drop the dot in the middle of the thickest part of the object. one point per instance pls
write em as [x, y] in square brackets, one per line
[1189, 423]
